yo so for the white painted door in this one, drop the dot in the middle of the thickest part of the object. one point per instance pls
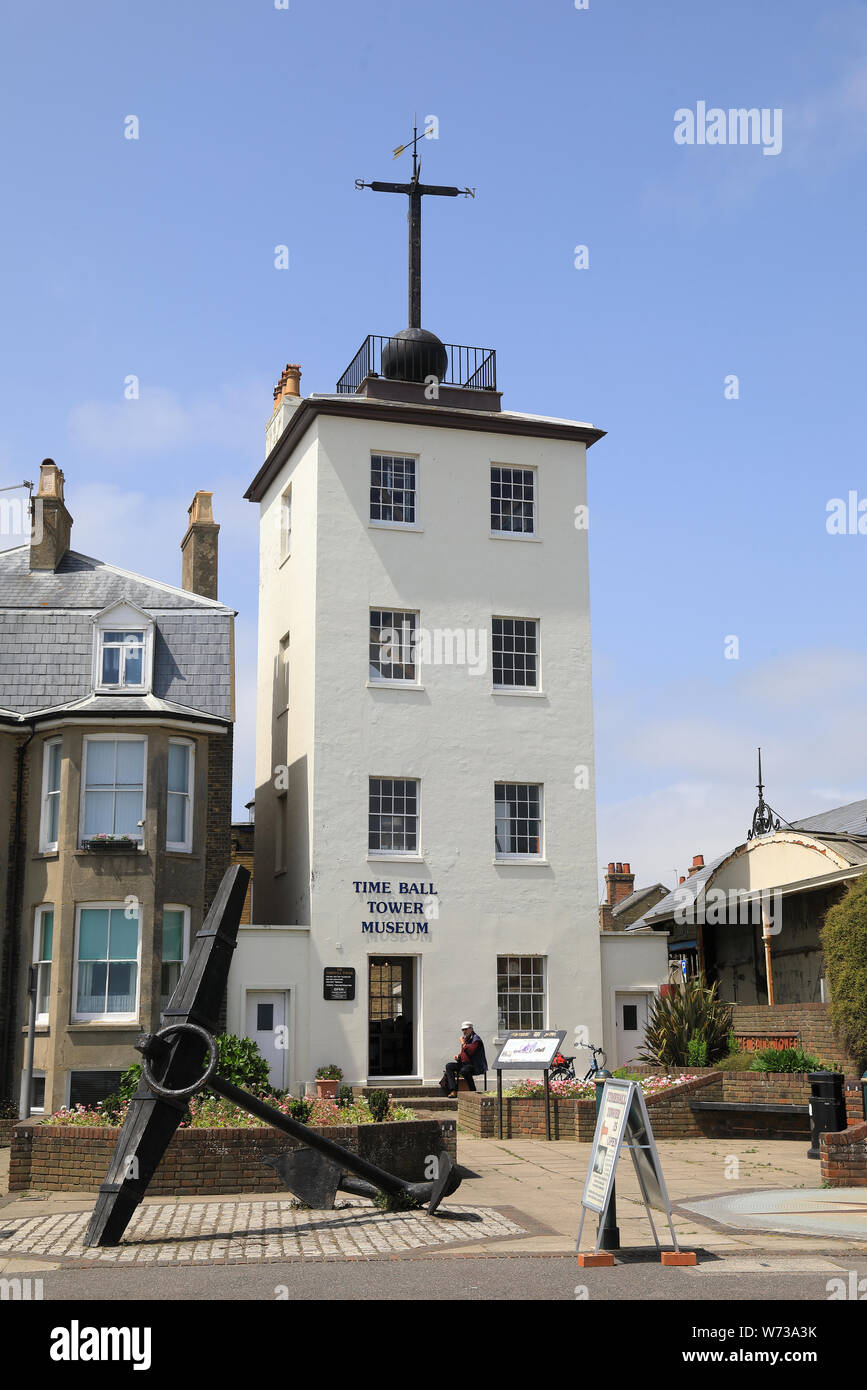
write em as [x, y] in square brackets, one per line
[268, 1025]
[631, 1011]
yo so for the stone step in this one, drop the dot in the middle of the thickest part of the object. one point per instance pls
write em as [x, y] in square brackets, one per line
[428, 1104]
[405, 1092]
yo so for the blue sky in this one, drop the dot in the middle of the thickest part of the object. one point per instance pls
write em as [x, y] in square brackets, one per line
[155, 258]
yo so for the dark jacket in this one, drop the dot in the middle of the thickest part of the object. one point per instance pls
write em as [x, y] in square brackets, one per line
[473, 1051]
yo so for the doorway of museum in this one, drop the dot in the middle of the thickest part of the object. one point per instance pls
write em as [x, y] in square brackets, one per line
[391, 1016]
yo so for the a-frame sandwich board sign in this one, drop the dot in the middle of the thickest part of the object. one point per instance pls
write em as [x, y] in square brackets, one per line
[623, 1122]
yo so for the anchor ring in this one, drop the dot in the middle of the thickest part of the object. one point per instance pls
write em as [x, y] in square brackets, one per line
[202, 1081]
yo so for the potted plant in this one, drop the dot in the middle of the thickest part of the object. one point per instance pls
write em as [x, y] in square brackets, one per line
[117, 842]
[327, 1079]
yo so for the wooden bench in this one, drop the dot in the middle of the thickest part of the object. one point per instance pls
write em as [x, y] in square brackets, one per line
[751, 1106]
[740, 1118]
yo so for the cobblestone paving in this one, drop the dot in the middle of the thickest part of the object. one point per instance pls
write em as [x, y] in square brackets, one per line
[247, 1232]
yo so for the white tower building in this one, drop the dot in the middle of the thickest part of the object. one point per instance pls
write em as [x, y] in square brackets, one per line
[425, 807]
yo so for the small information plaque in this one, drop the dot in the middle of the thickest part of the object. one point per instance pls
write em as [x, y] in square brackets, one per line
[338, 982]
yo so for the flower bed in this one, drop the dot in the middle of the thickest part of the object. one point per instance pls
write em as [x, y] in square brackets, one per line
[211, 1112]
[651, 1085]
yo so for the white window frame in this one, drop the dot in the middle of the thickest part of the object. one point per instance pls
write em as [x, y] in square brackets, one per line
[113, 738]
[78, 1017]
[522, 468]
[500, 856]
[396, 853]
[185, 846]
[400, 682]
[47, 846]
[413, 525]
[38, 1075]
[284, 688]
[519, 956]
[38, 961]
[123, 615]
[185, 940]
[285, 523]
[517, 689]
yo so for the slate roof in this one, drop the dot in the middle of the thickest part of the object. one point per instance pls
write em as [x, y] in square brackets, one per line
[634, 898]
[851, 819]
[46, 640]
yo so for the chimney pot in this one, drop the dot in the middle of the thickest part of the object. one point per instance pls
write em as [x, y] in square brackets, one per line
[289, 383]
[611, 867]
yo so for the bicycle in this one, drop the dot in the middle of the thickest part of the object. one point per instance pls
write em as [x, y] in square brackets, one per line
[563, 1068]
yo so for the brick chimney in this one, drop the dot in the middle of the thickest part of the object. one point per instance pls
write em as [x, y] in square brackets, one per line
[697, 863]
[199, 548]
[287, 398]
[52, 524]
[619, 883]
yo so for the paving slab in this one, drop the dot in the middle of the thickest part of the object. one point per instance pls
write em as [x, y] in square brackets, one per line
[839, 1212]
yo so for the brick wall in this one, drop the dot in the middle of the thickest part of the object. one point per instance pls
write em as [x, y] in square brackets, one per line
[64, 1158]
[218, 830]
[6, 1127]
[11, 961]
[810, 1022]
[854, 1096]
[844, 1157]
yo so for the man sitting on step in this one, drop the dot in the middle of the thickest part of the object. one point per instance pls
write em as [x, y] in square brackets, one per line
[469, 1062]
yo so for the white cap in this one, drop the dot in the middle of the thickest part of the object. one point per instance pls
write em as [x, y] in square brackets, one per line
[466, 1025]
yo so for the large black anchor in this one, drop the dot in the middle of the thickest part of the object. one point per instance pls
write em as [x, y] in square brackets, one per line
[172, 1072]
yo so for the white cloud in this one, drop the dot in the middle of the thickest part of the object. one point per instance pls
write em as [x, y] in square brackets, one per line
[690, 754]
[159, 421]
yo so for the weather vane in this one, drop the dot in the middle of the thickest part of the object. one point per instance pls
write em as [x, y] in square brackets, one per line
[415, 191]
[765, 819]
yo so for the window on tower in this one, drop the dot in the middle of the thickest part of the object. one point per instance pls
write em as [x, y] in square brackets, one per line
[513, 501]
[393, 816]
[393, 645]
[518, 820]
[520, 992]
[393, 490]
[515, 653]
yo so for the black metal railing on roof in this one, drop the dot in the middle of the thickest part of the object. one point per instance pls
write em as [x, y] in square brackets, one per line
[407, 360]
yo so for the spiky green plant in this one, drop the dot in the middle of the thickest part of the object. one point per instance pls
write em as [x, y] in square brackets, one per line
[689, 1015]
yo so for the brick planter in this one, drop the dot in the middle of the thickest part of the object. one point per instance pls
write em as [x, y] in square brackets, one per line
[670, 1113]
[844, 1157]
[571, 1118]
[66, 1158]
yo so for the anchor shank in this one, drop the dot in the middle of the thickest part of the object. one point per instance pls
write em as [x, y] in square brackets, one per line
[384, 1182]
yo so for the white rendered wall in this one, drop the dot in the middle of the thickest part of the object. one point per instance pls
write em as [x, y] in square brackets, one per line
[632, 963]
[454, 734]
